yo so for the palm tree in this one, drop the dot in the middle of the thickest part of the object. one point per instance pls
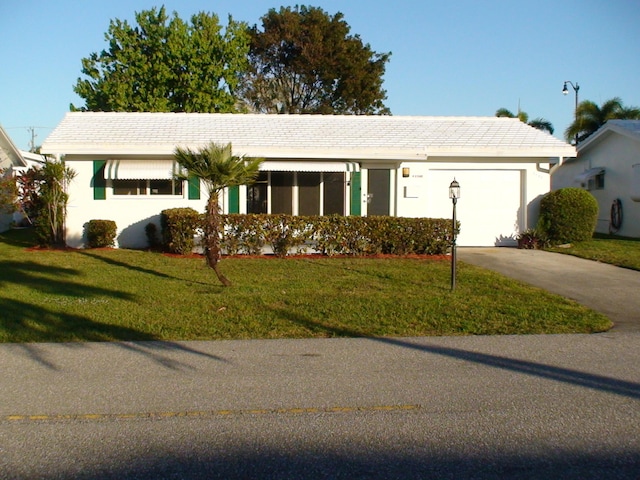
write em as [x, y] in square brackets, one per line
[590, 117]
[218, 168]
[539, 123]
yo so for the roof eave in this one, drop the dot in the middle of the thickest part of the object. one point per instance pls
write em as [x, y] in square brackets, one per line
[408, 154]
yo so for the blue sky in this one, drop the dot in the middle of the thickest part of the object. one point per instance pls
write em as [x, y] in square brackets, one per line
[459, 58]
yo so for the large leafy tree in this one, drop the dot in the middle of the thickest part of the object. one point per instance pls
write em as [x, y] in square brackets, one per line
[164, 64]
[217, 167]
[539, 123]
[304, 60]
[590, 117]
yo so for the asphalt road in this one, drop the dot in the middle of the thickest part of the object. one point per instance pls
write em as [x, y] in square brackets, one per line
[525, 407]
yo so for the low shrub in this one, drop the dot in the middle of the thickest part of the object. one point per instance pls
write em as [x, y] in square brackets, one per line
[101, 233]
[568, 215]
[532, 239]
[153, 236]
[179, 227]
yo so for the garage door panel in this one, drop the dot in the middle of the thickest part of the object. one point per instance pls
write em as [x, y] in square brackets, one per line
[489, 209]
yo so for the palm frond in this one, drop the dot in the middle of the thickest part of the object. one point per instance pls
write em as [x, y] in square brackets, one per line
[216, 165]
[542, 124]
[504, 112]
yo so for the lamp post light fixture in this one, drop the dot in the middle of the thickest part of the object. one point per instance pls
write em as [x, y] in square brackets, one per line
[454, 195]
[565, 91]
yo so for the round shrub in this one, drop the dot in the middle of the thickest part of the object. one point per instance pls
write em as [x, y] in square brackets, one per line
[179, 227]
[568, 215]
[101, 233]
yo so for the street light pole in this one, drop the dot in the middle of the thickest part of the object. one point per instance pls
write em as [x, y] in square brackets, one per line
[565, 91]
[454, 194]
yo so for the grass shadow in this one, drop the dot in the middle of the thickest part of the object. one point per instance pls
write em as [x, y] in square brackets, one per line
[22, 320]
[147, 271]
[118, 263]
[51, 279]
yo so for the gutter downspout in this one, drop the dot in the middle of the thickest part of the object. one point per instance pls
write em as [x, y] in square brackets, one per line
[541, 169]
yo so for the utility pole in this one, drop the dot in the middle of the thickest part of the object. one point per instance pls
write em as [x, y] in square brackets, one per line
[32, 143]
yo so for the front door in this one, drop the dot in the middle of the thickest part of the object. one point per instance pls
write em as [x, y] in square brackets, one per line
[379, 189]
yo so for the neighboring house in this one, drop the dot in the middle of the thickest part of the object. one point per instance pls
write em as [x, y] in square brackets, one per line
[13, 162]
[608, 165]
[314, 165]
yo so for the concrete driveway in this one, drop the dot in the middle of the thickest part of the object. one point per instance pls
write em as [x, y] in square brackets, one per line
[613, 291]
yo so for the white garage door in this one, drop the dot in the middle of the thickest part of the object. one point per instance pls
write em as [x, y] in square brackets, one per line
[489, 208]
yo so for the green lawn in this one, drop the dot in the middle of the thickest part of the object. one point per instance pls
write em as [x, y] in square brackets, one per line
[104, 295]
[616, 251]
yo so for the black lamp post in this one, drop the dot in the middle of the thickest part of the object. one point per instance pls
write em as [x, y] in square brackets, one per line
[454, 195]
[565, 91]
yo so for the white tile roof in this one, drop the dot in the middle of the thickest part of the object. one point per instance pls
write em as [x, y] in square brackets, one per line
[302, 136]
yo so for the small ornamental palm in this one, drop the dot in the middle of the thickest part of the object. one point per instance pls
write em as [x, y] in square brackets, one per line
[217, 167]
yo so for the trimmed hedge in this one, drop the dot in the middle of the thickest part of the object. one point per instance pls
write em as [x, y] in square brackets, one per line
[568, 215]
[329, 235]
[334, 234]
[179, 227]
[101, 233]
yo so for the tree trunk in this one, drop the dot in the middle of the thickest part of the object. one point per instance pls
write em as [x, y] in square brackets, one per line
[212, 237]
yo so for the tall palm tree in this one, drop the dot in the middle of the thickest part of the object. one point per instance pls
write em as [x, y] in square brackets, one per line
[590, 117]
[218, 168]
[539, 123]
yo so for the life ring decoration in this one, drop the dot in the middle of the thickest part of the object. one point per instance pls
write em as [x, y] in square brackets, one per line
[615, 221]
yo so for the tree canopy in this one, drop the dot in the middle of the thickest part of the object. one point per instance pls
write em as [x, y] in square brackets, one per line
[539, 122]
[304, 60]
[164, 64]
[590, 117]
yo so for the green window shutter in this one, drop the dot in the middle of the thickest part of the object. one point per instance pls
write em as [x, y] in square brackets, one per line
[355, 194]
[234, 199]
[99, 183]
[194, 188]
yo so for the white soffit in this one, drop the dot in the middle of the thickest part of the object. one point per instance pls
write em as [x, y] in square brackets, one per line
[293, 166]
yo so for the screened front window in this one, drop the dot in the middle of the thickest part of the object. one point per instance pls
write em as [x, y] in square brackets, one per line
[309, 193]
[282, 192]
[334, 190]
[257, 194]
[147, 187]
[300, 193]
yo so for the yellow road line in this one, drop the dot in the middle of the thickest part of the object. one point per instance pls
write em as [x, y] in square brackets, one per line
[202, 413]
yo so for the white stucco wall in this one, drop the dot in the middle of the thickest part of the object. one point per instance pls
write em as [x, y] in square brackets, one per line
[131, 213]
[498, 200]
[616, 154]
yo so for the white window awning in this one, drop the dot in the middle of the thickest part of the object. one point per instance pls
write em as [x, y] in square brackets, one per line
[585, 176]
[140, 169]
[303, 166]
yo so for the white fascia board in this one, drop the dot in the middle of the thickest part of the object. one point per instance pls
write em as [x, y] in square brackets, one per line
[503, 153]
[395, 154]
